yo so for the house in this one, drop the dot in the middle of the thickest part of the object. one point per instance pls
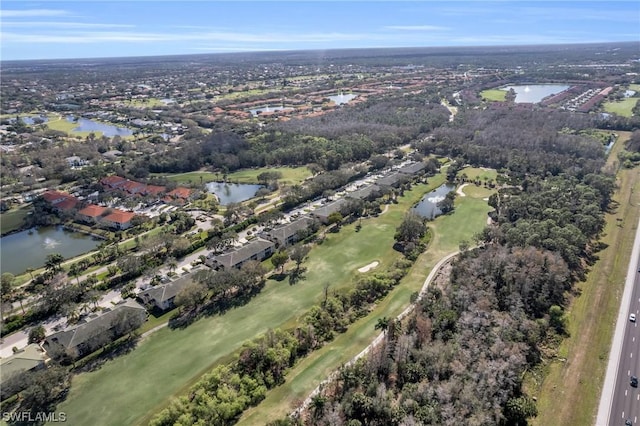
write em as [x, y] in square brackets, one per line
[413, 169]
[60, 201]
[94, 331]
[163, 296]
[393, 180]
[91, 213]
[323, 213]
[118, 219]
[31, 357]
[369, 192]
[258, 249]
[153, 190]
[287, 234]
[112, 182]
[75, 161]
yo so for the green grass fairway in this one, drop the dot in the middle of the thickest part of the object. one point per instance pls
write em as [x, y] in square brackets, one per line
[635, 87]
[469, 218]
[474, 173]
[190, 177]
[471, 190]
[290, 175]
[623, 108]
[169, 361]
[13, 219]
[493, 95]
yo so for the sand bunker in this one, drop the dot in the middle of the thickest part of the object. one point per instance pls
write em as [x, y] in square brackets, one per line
[369, 266]
[460, 191]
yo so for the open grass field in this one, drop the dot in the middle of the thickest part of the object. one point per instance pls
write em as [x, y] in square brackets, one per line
[290, 175]
[623, 107]
[175, 359]
[493, 95]
[13, 219]
[635, 87]
[474, 173]
[448, 231]
[190, 177]
[576, 376]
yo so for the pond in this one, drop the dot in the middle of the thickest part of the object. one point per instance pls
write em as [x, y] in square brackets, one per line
[86, 125]
[342, 98]
[32, 120]
[30, 248]
[268, 108]
[232, 192]
[427, 207]
[534, 93]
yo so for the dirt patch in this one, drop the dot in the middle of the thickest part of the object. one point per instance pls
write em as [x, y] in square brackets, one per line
[369, 267]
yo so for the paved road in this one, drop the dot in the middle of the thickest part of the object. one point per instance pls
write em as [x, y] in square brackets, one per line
[619, 401]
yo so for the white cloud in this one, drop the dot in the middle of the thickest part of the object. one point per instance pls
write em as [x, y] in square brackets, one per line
[417, 28]
[63, 25]
[30, 13]
[126, 36]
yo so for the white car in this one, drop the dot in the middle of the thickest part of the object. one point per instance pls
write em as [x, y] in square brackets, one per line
[632, 317]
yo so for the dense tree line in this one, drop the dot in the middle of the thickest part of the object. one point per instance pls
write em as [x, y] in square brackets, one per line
[521, 140]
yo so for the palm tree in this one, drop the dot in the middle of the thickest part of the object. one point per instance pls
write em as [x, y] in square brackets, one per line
[74, 271]
[54, 262]
[382, 324]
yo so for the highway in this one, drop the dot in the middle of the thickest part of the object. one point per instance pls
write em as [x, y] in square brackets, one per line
[619, 400]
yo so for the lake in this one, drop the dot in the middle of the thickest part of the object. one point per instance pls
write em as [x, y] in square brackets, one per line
[24, 249]
[268, 108]
[31, 120]
[86, 125]
[427, 206]
[342, 98]
[232, 192]
[534, 93]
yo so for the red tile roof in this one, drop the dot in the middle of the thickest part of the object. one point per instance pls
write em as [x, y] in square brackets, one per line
[112, 181]
[119, 216]
[154, 189]
[92, 210]
[132, 186]
[52, 196]
[67, 204]
[180, 192]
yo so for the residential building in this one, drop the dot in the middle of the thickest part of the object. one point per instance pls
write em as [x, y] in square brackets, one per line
[287, 234]
[92, 332]
[31, 357]
[91, 213]
[163, 296]
[118, 219]
[258, 249]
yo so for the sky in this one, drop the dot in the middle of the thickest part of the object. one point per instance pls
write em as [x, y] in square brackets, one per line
[115, 28]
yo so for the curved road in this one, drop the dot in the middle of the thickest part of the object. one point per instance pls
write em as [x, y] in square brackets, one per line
[619, 400]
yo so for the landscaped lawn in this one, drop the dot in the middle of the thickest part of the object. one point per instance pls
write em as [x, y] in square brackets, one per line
[493, 95]
[13, 219]
[623, 107]
[469, 218]
[168, 361]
